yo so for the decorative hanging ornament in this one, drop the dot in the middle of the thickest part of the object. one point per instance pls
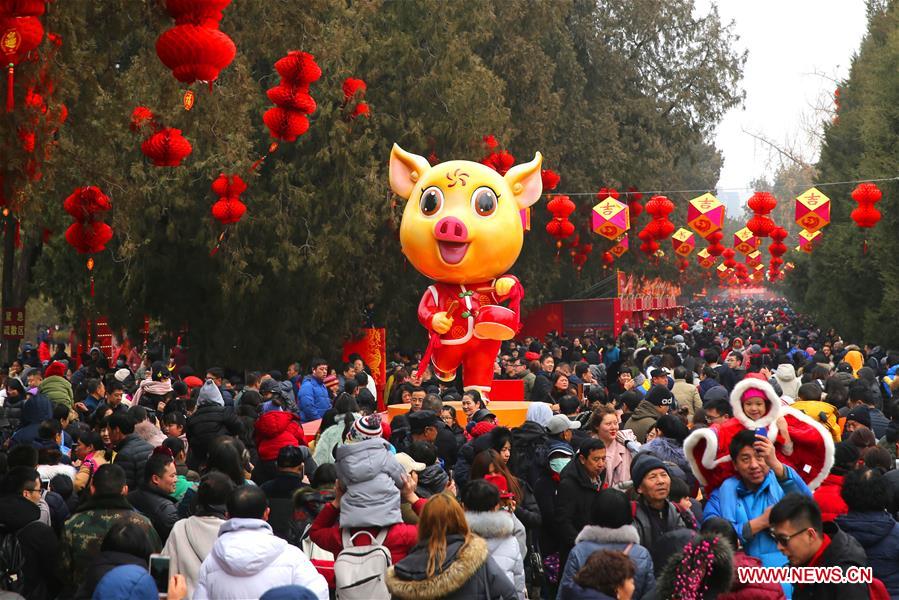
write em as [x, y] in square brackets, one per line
[621, 246]
[560, 227]
[728, 255]
[19, 36]
[761, 203]
[867, 195]
[166, 148]
[659, 207]
[745, 241]
[683, 242]
[715, 247]
[705, 215]
[229, 208]
[608, 259]
[812, 210]
[610, 218]
[808, 240]
[633, 202]
[195, 53]
[287, 120]
[207, 13]
[705, 259]
[550, 180]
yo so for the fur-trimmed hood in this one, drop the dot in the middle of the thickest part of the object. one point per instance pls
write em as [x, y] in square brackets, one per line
[772, 404]
[407, 580]
[489, 525]
[626, 534]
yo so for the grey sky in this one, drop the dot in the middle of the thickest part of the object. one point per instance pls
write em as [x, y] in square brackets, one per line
[796, 48]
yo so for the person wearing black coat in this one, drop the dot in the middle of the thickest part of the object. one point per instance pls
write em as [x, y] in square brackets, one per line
[131, 451]
[579, 485]
[19, 515]
[153, 498]
[210, 421]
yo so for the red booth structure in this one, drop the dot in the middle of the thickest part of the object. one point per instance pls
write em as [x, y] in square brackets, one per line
[637, 300]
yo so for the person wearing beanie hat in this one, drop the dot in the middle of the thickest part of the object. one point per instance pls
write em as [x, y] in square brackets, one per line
[657, 401]
[372, 476]
[610, 527]
[655, 515]
[365, 428]
[828, 495]
[857, 416]
[56, 387]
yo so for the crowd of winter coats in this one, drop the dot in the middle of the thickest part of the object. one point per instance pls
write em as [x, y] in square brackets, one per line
[297, 486]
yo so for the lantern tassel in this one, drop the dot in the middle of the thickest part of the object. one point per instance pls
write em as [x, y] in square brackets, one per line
[10, 91]
[865, 247]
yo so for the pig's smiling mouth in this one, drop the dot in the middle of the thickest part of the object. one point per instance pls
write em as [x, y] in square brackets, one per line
[452, 253]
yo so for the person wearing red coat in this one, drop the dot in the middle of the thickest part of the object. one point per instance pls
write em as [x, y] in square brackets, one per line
[828, 496]
[274, 430]
[325, 531]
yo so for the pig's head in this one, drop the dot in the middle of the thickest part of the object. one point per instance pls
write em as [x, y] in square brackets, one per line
[462, 221]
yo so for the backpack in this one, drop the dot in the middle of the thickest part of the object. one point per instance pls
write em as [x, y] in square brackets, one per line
[823, 412]
[12, 562]
[360, 571]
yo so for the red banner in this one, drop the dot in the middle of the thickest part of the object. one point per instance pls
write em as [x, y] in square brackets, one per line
[372, 347]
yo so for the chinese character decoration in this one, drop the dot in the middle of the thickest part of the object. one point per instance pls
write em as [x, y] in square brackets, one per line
[761, 203]
[812, 210]
[745, 241]
[611, 218]
[865, 215]
[705, 259]
[808, 240]
[705, 215]
[621, 246]
[683, 241]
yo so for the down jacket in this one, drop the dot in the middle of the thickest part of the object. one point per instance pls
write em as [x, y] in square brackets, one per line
[58, 390]
[498, 529]
[373, 480]
[878, 534]
[247, 560]
[828, 497]
[594, 538]
[132, 454]
[276, 429]
[468, 571]
[189, 543]
[209, 422]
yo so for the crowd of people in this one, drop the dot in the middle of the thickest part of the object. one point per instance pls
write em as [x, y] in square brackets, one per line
[297, 486]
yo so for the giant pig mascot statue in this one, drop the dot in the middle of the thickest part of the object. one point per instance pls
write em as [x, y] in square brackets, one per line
[462, 228]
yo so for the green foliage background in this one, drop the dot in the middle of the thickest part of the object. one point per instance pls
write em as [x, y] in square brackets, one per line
[858, 293]
[613, 93]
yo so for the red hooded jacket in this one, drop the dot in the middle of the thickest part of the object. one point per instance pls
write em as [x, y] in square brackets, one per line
[276, 429]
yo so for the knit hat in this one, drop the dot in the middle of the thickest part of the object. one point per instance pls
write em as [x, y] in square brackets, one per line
[845, 456]
[643, 464]
[529, 356]
[659, 395]
[501, 483]
[193, 381]
[860, 415]
[365, 428]
[56, 368]
[122, 374]
[611, 509]
[481, 428]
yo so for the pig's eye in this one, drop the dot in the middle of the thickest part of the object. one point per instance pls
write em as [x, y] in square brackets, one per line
[431, 201]
[484, 201]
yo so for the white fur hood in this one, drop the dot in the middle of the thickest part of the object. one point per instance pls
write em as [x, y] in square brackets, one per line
[489, 525]
[626, 534]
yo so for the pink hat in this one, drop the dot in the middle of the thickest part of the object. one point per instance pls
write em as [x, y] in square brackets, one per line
[753, 393]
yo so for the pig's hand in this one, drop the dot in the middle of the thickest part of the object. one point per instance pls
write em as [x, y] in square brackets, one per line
[504, 285]
[441, 322]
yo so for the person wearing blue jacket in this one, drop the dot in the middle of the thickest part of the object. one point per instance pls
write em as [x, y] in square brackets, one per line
[314, 399]
[746, 498]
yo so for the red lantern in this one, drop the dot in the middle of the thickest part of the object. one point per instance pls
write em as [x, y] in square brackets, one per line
[607, 259]
[500, 162]
[166, 148]
[715, 247]
[560, 227]
[86, 202]
[550, 179]
[88, 238]
[660, 207]
[287, 119]
[761, 203]
[633, 202]
[728, 255]
[604, 193]
[298, 68]
[19, 35]
[206, 13]
[228, 209]
[195, 53]
[285, 124]
[682, 264]
[351, 87]
[867, 195]
[292, 97]
[23, 8]
[361, 110]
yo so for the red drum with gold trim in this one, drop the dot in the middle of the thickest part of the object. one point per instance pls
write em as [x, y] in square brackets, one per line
[495, 323]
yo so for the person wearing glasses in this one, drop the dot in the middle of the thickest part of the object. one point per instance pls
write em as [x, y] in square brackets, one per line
[746, 498]
[806, 541]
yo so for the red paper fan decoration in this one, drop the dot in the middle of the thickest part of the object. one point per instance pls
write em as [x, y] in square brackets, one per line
[166, 148]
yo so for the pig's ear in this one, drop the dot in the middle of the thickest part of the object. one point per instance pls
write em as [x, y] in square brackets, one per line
[526, 182]
[405, 169]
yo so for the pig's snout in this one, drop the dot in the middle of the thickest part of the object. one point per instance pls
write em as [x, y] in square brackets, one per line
[451, 229]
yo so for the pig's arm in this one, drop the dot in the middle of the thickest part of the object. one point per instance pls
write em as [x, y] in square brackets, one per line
[427, 308]
[515, 289]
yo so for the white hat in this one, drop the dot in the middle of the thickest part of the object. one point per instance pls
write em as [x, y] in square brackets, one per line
[559, 423]
[122, 374]
[409, 464]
